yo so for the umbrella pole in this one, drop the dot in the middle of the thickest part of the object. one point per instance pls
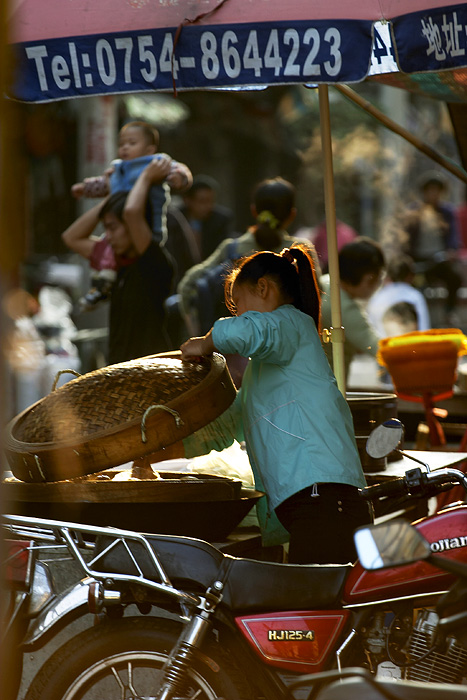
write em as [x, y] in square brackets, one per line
[336, 330]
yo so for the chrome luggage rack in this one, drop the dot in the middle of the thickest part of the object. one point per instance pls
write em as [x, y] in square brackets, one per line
[72, 536]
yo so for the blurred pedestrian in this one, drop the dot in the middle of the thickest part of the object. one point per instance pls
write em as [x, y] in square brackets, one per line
[398, 288]
[201, 288]
[433, 238]
[210, 222]
[361, 267]
[399, 319]
[138, 143]
[137, 313]
[345, 234]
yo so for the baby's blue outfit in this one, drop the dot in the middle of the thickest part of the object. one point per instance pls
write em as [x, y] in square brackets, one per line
[124, 176]
[297, 426]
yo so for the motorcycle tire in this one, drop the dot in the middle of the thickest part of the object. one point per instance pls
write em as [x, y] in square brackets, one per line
[123, 659]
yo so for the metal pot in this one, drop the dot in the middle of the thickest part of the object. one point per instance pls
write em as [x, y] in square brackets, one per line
[369, 410]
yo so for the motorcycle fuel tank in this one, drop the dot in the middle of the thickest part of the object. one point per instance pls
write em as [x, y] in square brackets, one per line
[446, 532]
[296, 641]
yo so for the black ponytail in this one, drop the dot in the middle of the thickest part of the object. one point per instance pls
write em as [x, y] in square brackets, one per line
[292, 270]
[309, 294]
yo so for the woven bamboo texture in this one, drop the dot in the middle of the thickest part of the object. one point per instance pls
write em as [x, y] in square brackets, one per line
[96, 421]
[107, 398]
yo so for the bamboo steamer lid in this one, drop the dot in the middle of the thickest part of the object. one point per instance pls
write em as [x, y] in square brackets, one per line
[117, 414]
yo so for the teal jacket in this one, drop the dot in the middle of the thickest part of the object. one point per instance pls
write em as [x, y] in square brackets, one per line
[297, 426]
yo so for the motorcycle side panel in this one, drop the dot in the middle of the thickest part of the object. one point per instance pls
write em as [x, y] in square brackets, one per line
[296, 641]
[446, 533]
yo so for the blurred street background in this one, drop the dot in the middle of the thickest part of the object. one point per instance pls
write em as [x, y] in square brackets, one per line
[238, 138]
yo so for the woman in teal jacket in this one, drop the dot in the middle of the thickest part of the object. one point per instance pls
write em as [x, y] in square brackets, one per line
[296, 424]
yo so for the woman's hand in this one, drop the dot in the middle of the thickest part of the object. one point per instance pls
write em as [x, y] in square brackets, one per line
[196, 347]
[158, 169]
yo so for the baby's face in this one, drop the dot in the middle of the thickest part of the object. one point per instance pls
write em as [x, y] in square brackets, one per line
[132, 143]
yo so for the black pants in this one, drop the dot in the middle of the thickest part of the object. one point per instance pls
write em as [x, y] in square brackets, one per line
[321, 527]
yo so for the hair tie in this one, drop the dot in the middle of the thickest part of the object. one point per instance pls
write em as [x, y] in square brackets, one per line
[267, 217]
[287, 254]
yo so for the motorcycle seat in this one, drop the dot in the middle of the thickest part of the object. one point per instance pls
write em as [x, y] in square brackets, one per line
[249, 585]
[254, 586]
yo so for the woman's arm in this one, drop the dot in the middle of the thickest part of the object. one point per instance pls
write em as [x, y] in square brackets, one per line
[196, 347]
[78, 236]
[134, 213]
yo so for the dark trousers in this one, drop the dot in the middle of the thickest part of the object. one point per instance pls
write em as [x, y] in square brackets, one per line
[321, 527]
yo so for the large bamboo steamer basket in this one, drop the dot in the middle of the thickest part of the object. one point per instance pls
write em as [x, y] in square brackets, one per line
[116, 414]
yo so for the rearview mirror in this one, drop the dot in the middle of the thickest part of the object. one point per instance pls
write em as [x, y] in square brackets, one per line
[385, 438]
[390, 544]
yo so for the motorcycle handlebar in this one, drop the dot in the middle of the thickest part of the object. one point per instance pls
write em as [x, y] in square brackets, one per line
[394, 487]
[416, 483]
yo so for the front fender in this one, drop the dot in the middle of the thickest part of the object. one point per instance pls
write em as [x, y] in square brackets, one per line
[62, 609]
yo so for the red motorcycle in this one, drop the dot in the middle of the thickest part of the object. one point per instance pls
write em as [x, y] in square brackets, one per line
[388, 545]
[174, 617]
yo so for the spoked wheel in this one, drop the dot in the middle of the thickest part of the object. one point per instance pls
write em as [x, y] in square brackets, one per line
[122, 660]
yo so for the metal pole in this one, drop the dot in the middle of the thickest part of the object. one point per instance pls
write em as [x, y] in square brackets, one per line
[336, 331]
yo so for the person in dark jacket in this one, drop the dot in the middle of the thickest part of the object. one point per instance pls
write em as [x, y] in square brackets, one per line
[209, 221]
